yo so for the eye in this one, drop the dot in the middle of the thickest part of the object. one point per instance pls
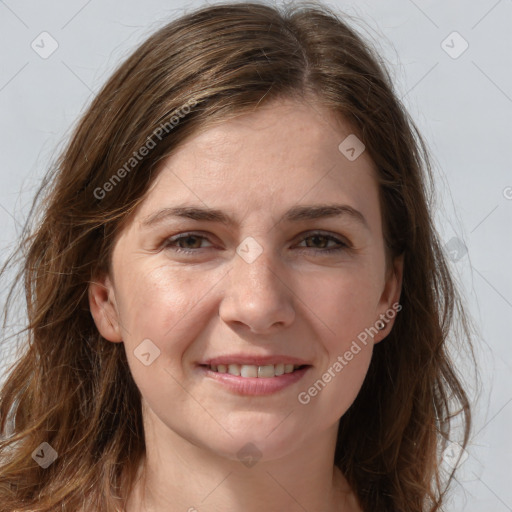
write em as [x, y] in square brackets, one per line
[187, 239]
[321, 238]
[189, 243]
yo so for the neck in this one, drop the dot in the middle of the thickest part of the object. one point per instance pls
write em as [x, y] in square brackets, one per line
[177, 475]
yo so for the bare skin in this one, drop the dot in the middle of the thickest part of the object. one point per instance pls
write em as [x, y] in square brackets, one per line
[294, 299]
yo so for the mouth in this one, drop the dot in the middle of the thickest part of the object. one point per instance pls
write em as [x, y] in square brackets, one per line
[254, 380]
[255, 371]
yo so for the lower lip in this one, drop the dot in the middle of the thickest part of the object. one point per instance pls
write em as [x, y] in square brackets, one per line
[255, 385]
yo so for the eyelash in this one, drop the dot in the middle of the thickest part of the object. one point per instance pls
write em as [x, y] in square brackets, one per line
[343, 246]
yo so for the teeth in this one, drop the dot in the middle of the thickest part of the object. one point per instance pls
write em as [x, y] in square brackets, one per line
[265, 371]
[234, 369]
[252, 371]
[247, 370]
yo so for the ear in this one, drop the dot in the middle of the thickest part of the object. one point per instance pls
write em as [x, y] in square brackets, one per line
[388, 304]
[103, 308]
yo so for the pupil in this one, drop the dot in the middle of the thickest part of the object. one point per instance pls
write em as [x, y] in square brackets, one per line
[315, 239]
[190, 237]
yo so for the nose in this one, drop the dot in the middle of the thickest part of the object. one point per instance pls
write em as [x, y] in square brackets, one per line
[257, 295]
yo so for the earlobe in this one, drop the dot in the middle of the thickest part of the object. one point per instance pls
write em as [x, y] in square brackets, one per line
[103, 309]
[389, 303]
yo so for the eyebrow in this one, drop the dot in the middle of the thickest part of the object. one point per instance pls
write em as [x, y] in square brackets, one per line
[295, 214]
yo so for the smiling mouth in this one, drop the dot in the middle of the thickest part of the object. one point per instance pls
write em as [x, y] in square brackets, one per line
[254, 371]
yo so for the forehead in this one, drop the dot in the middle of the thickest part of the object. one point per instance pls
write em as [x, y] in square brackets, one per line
[275, 157]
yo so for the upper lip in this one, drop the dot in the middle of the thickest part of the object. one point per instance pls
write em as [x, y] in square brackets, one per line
[254, 360]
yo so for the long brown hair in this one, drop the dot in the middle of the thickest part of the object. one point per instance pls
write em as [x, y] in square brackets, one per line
[73, 390]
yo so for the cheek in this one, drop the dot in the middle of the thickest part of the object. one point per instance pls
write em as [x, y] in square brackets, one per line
[161, 313]
[165, 305]
[334, 386]
[154, 298]
[345, 312]
[344, 302]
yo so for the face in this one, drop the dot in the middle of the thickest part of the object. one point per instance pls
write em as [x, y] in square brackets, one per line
[275, 279]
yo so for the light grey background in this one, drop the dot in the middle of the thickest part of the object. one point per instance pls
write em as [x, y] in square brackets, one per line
[462, 103]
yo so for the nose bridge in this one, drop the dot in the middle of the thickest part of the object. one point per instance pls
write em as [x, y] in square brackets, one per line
[256, 293]
[255, 267]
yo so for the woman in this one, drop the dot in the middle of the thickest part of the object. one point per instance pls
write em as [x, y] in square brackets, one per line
[236, 296]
